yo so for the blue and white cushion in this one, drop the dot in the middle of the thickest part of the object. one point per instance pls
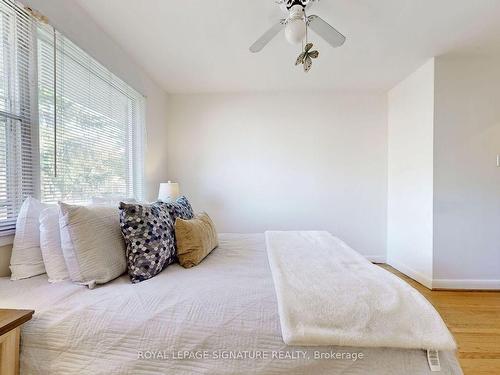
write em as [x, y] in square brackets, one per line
[147, 230]
[180, 208]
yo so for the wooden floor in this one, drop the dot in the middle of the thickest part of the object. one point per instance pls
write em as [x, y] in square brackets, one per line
[474, 320]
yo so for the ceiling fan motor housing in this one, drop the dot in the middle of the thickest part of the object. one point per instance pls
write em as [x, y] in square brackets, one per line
[291, 3]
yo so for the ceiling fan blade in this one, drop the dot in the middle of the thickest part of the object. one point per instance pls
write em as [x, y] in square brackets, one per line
[327, 32]
[267, 37]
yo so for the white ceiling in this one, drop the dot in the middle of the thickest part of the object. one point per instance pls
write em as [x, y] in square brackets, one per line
[202, 45]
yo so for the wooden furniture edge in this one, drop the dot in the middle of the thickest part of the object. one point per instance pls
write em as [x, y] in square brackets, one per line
[24, 316]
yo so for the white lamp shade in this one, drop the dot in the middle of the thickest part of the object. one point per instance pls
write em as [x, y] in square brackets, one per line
[168, 191]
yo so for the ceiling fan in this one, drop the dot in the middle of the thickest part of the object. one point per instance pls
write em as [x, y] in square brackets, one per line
[296, 25]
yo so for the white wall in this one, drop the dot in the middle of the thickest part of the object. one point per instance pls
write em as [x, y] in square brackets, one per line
[467, 180]
[74, 22]
[285, 162]
[410, 175]
[444, 184]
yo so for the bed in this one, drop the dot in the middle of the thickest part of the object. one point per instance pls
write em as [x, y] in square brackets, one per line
[218, 318]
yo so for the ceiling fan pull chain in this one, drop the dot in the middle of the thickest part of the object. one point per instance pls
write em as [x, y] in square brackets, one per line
[307, 27]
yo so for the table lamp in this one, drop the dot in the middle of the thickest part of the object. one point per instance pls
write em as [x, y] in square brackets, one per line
[168, 191]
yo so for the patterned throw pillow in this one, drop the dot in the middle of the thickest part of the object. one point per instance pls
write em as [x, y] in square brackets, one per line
[147, 230]
[180, 208]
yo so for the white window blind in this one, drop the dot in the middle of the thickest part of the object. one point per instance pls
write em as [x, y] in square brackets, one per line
[17, 133]
[91, 125]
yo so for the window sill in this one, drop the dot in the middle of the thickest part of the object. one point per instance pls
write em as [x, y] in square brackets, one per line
[7, 240]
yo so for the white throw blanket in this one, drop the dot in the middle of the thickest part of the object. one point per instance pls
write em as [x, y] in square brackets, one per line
[328, 294]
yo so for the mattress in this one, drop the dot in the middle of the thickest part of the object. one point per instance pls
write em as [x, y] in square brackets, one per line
[218, 318]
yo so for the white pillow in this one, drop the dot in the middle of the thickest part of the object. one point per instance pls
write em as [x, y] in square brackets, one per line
[50, 245]
[26, 259]
[92, 243]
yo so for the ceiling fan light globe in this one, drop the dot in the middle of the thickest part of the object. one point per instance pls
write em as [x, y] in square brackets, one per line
[295, 31]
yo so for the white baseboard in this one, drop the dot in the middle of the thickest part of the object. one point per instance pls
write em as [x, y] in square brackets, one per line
[415, 275]
[466, 284]
[451, 284]
[379, 259]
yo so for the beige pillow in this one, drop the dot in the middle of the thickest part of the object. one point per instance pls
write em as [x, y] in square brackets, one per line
[92, 243]
[195, 238]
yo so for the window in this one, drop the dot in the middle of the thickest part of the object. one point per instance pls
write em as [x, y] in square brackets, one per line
[17, 159]
[69, 128]
[91, 135]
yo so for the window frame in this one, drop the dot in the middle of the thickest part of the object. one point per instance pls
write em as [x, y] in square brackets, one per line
[137, 132]
[23, 135]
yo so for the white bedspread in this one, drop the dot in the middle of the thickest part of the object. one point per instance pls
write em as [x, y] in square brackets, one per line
[227, 303]
[328, 294]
